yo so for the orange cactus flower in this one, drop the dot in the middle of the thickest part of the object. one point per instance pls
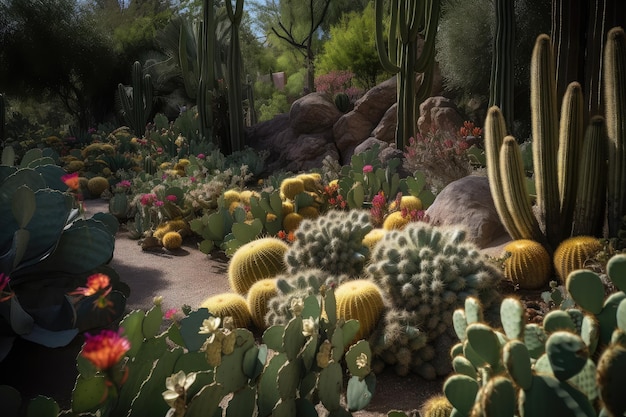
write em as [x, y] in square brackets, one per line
[105, 349]
[96, 283]
[71, 180]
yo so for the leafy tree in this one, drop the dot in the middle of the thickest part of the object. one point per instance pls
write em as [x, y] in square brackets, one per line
[52, 48]
[351, 46]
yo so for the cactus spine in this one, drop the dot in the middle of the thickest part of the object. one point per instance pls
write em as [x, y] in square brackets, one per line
[137, 112]
[615, 113]
[409, 19]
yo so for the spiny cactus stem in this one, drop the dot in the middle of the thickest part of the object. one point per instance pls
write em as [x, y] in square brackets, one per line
[615, 97]
[515, 195]
[495, 131]
[544, 111]
[570, 145]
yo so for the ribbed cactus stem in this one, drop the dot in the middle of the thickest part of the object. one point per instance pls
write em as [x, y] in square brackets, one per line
[571, 133]
[502, 64]
[544, 117]
[206, 55]
[591, 195]
[615, 111]
[495, 131]
[136, 113]
[514, 189]
[235, 63]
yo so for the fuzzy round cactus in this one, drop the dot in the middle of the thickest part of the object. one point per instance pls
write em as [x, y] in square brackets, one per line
[361, 300]
[292, 221]
[97, 185]
[259, 295]
[255, 260]
[529, 265]
[373, 237]
[309, 212]
[573, 253]
[408, 202]
[332, 242]
[172, 240]
[290, 187]
[312, 182]
[426, 272]
[395, 221]
[437, 406]
[229, 305]
[291, 286]
[230, 197]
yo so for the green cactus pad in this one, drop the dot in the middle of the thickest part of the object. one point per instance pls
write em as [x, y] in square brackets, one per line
[620, 316]
[242, 403]
[611, 379]
[459, 322]
[473, 310]
[463, 366]
[616, 270]
[330, 385]
[360, 391]
[549, 397]
[512, 316]
[567, 353]
[293, 339]
[461, 391]
[516, 359]
[535, 338]
[468, 351]
[590, 333]
[586, 289]
[268, 395]
[288, 380]
[485, 342]
[558, 320]
[498, 397]
[607, 319]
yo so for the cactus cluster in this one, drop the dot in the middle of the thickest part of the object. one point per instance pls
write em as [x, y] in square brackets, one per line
[332, 242]
[426, 272]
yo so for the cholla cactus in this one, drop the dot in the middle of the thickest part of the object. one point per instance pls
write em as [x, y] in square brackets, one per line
[297, 285]
[332, 242]
[426, 272]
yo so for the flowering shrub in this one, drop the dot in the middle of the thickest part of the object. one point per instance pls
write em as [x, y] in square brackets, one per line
[336, 82]
[442, 158]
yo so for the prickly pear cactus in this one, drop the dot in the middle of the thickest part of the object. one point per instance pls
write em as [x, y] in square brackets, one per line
[332, 242]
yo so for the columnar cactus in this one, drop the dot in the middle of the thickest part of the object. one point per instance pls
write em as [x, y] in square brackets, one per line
[502, 64]
[426, 273]
[137, 112]
[332, 242]
[235, 80]
[410, 20]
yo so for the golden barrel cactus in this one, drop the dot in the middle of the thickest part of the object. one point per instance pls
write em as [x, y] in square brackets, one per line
[259, 295]
[408, 202]
[373, 237]
[292, 221]
[361, 300]
[97, 185]
[290, 187]
[437, 406]
[312, 182]
[395, 221]
[573, 253]
[258, 259]
[172, 241]
[229, 305]
[309, 212]
[529, 265]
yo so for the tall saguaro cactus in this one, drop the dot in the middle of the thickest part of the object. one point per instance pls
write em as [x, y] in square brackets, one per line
[207, 58]
[137, 108]
[615, 110]
[235, 63]
[502, 65]
[410, 19]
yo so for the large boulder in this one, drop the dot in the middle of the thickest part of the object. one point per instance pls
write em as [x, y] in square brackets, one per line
[439, 114]
[467, 202]
[313, 113]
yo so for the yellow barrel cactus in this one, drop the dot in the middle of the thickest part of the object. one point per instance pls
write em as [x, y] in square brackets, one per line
[230, 197]
[309, 212]
[292, 221]
[256, 260]
[312, 182]
[97, 185]
[395, 221]
[573, 253]
[529, 265]
[229, 305]
[290, 187]
[259, 295]
[172, 240]
[373, 237]
[361, 300]
[408, 202]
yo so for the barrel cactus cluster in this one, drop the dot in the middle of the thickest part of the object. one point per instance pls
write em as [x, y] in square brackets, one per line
[425, 272]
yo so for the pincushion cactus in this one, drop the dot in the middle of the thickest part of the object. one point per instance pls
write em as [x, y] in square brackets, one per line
[261, 258]
[426, 273]
[332, 242]
[529, 265]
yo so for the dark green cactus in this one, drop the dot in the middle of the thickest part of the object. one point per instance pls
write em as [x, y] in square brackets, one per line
[3, 119]
[615, 109]
[42, 232]
[207, 57]
[137, 108]
[410, 20]
[342, 102]
[235, 80]
[502, 64]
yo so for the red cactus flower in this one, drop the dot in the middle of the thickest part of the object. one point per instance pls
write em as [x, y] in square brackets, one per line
[105, 349]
